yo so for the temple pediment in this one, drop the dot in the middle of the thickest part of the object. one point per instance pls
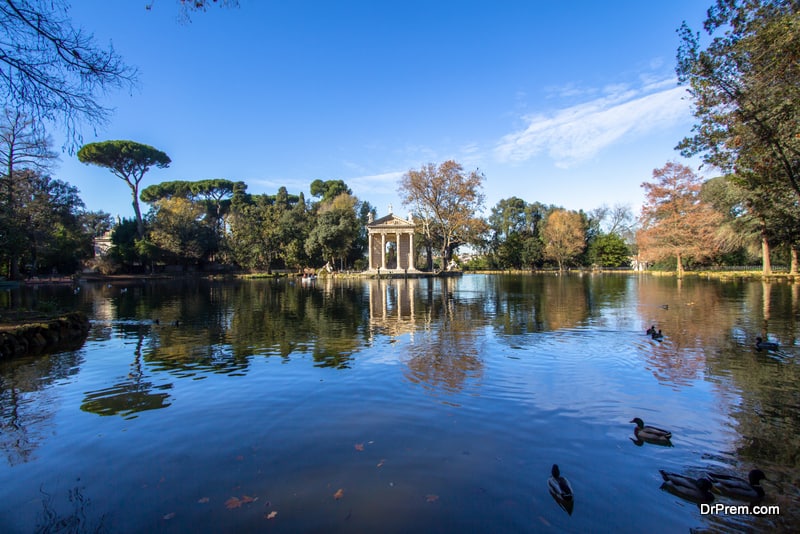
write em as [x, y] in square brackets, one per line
[391, 221]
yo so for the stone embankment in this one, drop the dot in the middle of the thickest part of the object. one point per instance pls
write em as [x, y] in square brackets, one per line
[62, 333]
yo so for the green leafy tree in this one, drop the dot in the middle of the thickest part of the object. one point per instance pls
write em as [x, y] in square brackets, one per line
[123, 249]
[745, 85]
[22, 147]
[609, 250]
[178, 231]
[268, 228]
[214, 195]
[335, 230]
[329, 189]
[51, 235]
[127, 160]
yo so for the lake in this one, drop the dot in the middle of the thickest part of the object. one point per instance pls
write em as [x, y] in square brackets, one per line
[421, 405]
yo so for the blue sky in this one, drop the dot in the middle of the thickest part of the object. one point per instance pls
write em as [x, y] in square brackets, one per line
[568, 103]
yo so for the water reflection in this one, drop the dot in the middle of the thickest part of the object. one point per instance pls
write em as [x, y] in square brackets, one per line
[469, 383]
[26, 401]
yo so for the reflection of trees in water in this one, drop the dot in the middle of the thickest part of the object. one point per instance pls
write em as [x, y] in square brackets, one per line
[538, 302]
[131, 396]
[77, 519]
[285, 317]
[25, 383]
[447, 351]
[693, 315]
[710, 330]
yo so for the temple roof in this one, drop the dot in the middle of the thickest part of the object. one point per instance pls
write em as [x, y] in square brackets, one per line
[391, 221]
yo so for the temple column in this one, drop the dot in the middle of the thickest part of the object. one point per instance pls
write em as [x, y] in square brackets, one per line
[383, 250]
[369, 251]
[411, 251]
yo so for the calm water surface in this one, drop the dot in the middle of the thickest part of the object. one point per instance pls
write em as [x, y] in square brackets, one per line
[400, 406]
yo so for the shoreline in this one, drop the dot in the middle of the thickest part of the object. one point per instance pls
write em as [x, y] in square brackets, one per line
[39, 334]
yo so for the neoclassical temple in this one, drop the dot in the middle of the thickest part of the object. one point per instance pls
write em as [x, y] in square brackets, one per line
[391, 245]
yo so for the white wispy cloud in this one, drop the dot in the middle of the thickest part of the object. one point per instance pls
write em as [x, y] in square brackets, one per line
[385, 183]
[578, 132]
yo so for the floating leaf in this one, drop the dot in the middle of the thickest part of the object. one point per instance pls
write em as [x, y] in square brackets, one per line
[232, 503]
[239, 458]
[380, 464]
[247, 499]
[359, 446]
[271, 515]
[203, 500]
[431, 498]
[169, 516]
[339, 494]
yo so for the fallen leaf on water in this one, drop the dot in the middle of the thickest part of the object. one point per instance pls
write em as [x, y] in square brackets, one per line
[431, 498]
[247, 499]
[359, 446]
[339, 494]
[271, 515]
[239, 458]
[203, 500]
[232, 503]
[380, 464]
[169, 516]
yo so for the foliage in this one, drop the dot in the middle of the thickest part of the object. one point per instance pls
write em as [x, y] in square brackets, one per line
[564, 236]
[53, 71]
[214, 196]
[123, 243]
[22, 146]
[676, 222]
[446, 202]
[177, 229]
[609, 250]
[127, 160]
[266, 228]
[335, 229]
[329, 189]
[745, 85]
[47, 232]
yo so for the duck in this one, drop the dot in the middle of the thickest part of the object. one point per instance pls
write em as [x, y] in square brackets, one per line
[696, 490]
[650, 433]
[737, 487]
[652, 330]
[765, 345]
[559, 486]
[658, 336]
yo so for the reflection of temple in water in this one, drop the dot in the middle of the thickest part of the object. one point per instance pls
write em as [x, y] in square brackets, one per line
[391, 306]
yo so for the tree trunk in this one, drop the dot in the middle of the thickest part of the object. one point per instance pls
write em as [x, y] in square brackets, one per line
[793, 261]
[429, 253]
[765, 262]
[679, 265]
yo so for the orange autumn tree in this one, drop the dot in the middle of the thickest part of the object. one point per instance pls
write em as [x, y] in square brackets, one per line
[675, 222]
[564, 236]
